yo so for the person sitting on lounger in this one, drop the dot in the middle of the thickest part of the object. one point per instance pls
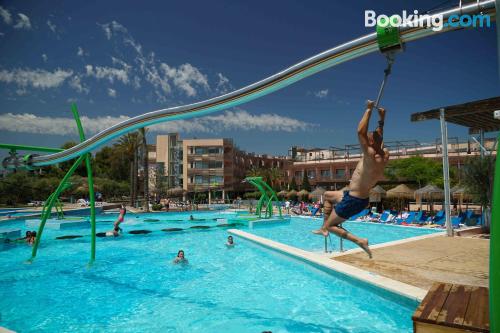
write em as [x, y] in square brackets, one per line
[367, 173]
[180, 259]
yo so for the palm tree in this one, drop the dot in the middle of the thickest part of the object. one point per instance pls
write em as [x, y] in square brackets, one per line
[129, 143]
[255, 172]
[144, 147]
[275, 175]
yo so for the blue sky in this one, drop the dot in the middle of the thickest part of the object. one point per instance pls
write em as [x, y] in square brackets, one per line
[119, 59]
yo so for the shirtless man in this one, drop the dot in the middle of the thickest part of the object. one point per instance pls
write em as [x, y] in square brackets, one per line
[368, 172]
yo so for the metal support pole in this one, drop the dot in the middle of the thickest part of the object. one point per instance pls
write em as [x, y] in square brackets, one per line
[481, 142]
[326, 245]
[446, 172]
[495, 248]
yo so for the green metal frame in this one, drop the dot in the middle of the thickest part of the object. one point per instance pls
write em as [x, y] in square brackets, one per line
[53, 199]
[495, 248]
[266, 199]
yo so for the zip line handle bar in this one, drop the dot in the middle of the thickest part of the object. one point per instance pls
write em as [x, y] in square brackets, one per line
[387, 72]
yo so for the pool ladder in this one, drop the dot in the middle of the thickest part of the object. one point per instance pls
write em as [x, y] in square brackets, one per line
[330, 238]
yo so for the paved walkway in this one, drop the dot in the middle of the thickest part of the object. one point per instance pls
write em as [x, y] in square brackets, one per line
[445, 259]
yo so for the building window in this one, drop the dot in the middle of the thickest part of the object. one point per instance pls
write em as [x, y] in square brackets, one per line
[216, 180]
[326, 173]
[339, 173]
[200, 150]
[311, 174]
[215, 150]
[198, 179]
[298, 174]
[215, 164]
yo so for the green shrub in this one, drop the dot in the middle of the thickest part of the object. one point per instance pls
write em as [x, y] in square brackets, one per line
[157, 207]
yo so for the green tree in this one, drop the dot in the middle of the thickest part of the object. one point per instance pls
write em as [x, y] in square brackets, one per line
[293, 184]
[112, 162]
[477, 177]
[305, 182]
[130, 143]
[275, 176]
[419, 169]
[65, 166]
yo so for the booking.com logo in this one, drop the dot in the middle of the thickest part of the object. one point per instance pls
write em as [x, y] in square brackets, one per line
[436, 21]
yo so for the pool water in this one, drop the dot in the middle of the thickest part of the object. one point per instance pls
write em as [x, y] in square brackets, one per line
[299, 234]
[134, 287]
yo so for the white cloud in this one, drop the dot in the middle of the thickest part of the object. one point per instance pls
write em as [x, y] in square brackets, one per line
[44, 57]
[111, 28]
[77, 84]
[223, 86]
[185, 77]
[111, 92]
[23, 22]
[5, 15]
[229, 120]
[2, 34]
[165, 78]
[80, 52]
[52, 26]
[108, 73]
[321, 94]
[36, 78]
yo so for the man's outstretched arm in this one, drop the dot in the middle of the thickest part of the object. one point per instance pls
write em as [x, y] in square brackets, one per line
[363, 126]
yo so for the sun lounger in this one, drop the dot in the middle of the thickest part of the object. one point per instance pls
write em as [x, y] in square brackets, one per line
[386, 217]
[359, 215]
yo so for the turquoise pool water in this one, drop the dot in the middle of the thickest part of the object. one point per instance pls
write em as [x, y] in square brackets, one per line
[134, 287]
[299, 234]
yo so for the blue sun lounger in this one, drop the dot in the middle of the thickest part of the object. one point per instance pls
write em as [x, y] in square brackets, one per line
[409, 219]
[386, 217]
[364, 212]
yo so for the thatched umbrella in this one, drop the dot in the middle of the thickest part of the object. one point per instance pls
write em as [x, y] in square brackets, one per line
[292, 194]
[460, 193]
[176, 192]
[377, 193]
[317, 194]
[401, 192]
[282, 194]
[303, 194]
[429, 192]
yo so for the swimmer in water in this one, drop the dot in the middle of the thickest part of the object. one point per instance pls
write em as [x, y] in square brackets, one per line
[116, 225]
[230, 242]
[180, 259]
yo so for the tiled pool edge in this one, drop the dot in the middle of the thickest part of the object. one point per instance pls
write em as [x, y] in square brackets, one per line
[392, 286]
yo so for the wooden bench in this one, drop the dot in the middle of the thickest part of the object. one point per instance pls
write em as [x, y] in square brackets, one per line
[453, 308]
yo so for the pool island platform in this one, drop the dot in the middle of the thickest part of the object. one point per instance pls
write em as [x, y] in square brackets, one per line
[420, 263]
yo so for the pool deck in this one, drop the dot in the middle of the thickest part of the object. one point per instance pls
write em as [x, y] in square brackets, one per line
[420, 263]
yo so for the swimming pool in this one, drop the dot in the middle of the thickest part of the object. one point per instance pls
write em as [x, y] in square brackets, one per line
[133, 287]
[299, 234]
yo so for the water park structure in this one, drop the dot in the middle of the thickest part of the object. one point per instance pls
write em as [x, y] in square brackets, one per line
[387, 40]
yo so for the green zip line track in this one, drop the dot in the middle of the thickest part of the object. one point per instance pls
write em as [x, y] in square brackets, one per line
[266, 199]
